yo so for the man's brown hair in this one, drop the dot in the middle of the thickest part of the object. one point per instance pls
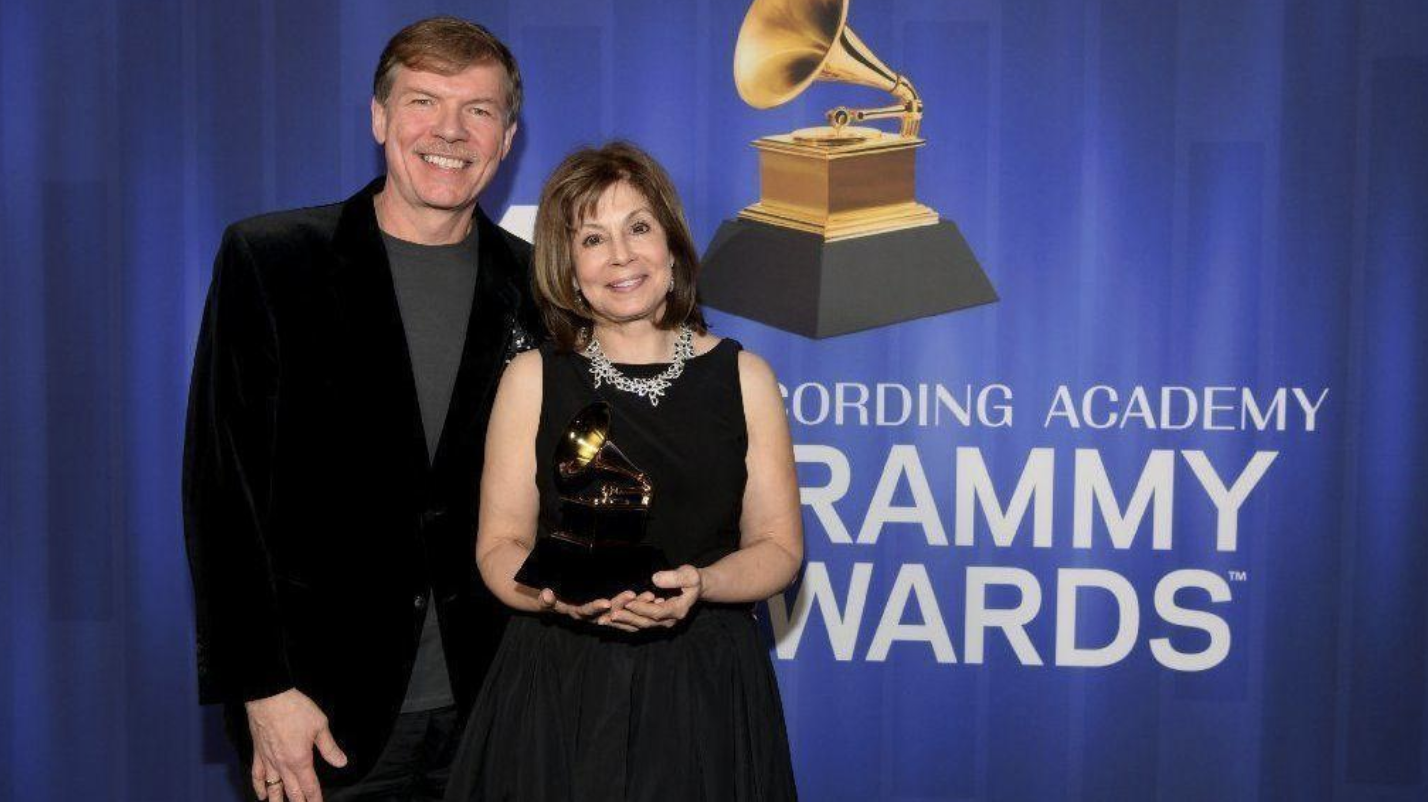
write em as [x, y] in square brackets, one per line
[446, 46]
[570, 195]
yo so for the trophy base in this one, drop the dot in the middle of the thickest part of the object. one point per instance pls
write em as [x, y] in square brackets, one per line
[579, 573]
[802, 283]
[839, 183]
[842, 225]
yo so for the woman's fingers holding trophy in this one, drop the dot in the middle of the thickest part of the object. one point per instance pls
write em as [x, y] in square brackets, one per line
[667, 612]
[588, 611]
[619, 617]
[580, 612]
[618, 601]
[631, 618]
[548, 602]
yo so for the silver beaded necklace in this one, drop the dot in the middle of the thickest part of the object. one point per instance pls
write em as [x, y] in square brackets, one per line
[653, 388]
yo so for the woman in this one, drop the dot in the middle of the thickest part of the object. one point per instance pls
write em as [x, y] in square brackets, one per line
[635, 697]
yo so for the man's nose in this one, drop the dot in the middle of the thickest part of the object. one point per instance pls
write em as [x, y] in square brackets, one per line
[448, 124]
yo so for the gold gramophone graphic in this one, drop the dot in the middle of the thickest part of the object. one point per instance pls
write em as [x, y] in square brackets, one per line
[838, 180]
[598, 550]
[837, 241]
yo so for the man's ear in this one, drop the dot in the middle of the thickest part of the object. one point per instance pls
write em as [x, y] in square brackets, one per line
[379, 122]
[510, 137]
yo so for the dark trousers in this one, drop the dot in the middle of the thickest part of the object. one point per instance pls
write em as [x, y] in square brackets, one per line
[415, 764]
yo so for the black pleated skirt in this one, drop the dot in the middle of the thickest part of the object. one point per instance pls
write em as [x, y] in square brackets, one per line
[573, 714]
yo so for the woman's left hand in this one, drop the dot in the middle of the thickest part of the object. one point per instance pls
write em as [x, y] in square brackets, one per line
[647, 610]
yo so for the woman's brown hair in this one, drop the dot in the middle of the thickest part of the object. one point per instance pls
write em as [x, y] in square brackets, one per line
[570, 195]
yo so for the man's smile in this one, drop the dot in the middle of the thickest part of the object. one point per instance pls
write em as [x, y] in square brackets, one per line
[445, 162]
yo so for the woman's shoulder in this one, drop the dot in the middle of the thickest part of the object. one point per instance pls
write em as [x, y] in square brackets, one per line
[552, 354]
[730, 349]
[527, 360]
[761, 397]
[706, 343]
[751, 366]
[524, 370]
[755, 370]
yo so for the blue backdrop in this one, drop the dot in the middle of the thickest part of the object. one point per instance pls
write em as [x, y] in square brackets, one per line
[1196, 195]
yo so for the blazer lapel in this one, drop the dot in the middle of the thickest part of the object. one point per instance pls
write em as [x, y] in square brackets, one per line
[373, 336]
[493, 309]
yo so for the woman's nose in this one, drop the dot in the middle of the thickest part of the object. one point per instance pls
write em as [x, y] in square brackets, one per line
[619, 250]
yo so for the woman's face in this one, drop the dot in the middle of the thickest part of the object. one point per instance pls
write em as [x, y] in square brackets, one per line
[622, 262]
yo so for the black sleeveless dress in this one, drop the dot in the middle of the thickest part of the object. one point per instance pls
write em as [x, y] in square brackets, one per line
[572, 712]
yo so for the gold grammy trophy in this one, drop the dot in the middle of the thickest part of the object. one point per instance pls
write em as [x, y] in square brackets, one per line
[598, 550]
[837, 241]
[839, 180]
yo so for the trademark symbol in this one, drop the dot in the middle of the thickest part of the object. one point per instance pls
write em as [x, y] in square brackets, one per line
[1239, 576]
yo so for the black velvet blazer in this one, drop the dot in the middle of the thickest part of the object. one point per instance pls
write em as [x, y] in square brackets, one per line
[314, 520]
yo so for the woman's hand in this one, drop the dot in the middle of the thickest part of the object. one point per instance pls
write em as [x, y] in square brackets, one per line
[646, 611]
[589, 611]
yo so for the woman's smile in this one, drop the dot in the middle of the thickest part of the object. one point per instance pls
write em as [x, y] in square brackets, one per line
[627, 284]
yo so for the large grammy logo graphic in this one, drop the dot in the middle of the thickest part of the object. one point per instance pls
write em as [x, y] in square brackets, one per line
[837, 241]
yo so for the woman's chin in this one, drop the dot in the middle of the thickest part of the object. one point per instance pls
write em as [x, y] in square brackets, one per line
[622, 315]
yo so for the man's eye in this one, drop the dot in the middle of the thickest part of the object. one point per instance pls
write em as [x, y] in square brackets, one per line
[421, 101]
[480, 111]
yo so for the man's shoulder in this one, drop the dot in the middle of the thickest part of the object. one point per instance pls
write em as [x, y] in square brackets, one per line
[519, 249]
[313, 226]
[301, 243]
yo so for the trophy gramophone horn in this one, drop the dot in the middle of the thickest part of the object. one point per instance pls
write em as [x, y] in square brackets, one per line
[593, 470]
[785, 45]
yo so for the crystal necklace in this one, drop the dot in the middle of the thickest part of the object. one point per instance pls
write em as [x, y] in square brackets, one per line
[602, 370]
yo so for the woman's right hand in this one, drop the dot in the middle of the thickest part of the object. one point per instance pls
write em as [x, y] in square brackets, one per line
[613, 613]
[590, 611]
[624, 618]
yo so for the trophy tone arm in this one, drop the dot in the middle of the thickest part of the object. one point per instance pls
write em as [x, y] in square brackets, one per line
[910, 110]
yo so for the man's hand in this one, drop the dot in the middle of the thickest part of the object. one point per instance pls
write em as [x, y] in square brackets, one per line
[285, 729]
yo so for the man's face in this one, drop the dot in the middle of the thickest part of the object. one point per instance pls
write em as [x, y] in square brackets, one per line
[443, 136]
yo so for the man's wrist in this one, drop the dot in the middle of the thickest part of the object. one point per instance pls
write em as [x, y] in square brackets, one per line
[248, 705]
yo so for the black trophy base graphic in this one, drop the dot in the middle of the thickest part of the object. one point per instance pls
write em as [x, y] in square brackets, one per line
[797, 282]
[579, 573]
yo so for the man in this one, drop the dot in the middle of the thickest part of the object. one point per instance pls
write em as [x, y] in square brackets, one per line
[344, 376]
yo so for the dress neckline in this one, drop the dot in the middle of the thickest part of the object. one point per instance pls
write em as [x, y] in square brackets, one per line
[655, 366]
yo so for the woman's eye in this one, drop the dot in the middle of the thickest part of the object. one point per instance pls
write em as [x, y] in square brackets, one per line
[591, 240]
[640, 227]
[480, 111]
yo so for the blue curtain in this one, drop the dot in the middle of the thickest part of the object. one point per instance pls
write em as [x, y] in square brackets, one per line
[1209, 192]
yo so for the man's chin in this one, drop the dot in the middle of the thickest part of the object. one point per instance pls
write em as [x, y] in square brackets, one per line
[448, 203]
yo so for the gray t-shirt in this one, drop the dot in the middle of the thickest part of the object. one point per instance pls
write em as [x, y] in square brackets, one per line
[435, 285]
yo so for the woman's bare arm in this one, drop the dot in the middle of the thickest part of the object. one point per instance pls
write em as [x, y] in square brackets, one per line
[510, 501]
[771, 528]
